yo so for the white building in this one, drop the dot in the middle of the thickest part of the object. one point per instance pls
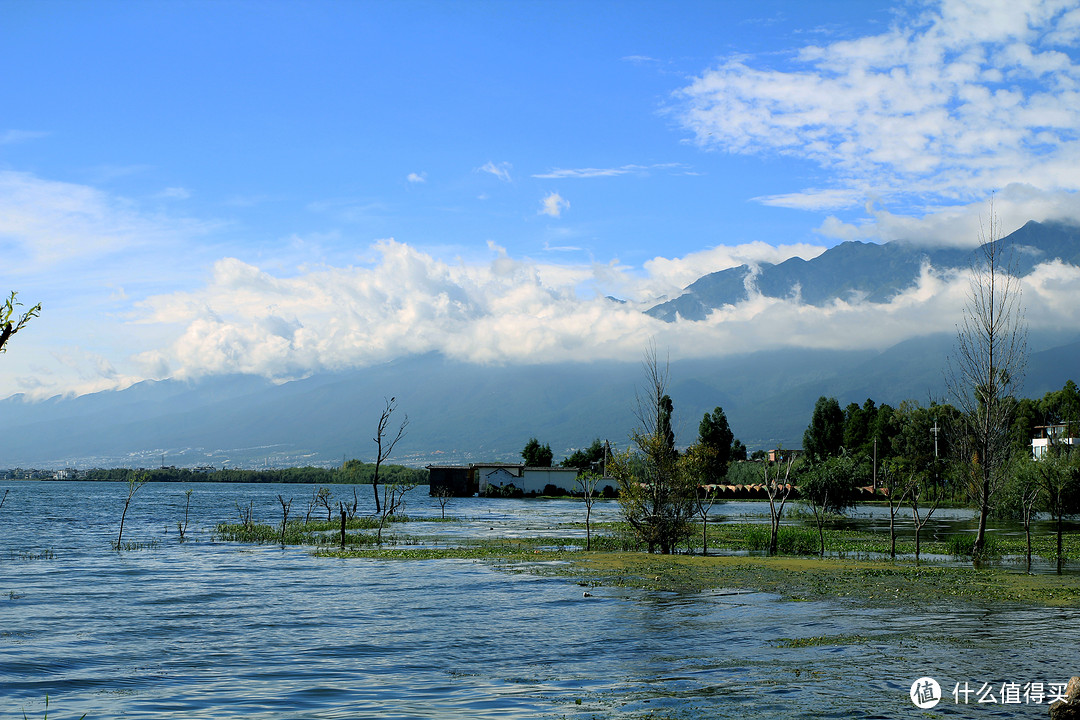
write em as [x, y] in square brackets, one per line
[529, 480]
[1047, 435]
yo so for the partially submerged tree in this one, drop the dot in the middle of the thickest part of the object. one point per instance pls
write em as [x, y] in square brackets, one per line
[442, 494]
[918, 486]
[286, 506]
[828, 488]
[10, 326]
[655, 497]
[896, 486]
[586, 483]
[987, 369]
[1022, 495]
[1059, 473]
[384, 443]
[325, 498]
[778, 488]
[182, 527]
[697, 464]
[135, 482]
[393, 502]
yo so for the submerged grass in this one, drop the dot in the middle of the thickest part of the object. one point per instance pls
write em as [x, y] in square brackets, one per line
[313, 532]
[876, 582]
[811, 578]
[797, 573]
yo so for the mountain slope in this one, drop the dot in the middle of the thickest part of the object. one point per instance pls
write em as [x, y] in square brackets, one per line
[461, 412]
[856, 269]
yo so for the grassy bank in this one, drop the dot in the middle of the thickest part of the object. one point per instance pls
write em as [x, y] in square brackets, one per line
[878, 582]
[854, 570]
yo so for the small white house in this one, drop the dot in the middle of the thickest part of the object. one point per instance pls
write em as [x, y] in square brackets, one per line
[496, 475]
[529, 480]
[535, 479]
[1047, 435]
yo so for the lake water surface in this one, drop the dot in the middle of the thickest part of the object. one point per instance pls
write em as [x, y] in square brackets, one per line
[206, 629]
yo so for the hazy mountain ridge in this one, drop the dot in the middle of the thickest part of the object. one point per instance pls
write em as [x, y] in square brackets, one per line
[464, 412]
[875, 272]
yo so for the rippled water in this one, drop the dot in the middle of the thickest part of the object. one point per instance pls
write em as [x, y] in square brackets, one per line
[206, 629]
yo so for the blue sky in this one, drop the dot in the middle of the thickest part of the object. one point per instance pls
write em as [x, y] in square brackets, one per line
[287, 188]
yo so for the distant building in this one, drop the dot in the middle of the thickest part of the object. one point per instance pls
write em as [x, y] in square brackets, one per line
[483, 478]
[779, 455]
[1048, 435]
[456, 479]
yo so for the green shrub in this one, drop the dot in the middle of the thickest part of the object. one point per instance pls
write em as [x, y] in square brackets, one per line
[798, 541]
[963, 544]
[789, 540]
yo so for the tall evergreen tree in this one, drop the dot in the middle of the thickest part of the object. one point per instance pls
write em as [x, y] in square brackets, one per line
[715, 434]
[825, 435]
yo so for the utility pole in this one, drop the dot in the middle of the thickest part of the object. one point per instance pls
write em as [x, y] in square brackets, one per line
[875, 465]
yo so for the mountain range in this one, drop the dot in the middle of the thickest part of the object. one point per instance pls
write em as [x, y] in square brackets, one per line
[858, 270]
[464, 412]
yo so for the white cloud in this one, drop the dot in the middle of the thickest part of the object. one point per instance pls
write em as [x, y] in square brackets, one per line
[966, 97]
[175, 193]
[45, 224]
[814, 199]
[553, 205]
[11, 137]
[958, 225]
[560, 173]
[666, 277]
[499, 170]
[417, 177]
[507, 310]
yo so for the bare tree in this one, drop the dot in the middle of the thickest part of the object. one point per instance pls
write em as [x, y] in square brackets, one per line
[778, 490]
[698, 462]
[384, 444]
[586, 482]
[286, 505]
[918, 484]
[393, 503]
[443, 495]
[245, 514]
[182, 526]
[892, 483]
[988, 367]
[325, 498]
[9, 327]
[135, 482]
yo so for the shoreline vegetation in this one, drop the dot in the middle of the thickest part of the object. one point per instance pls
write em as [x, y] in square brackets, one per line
[857, 568]
[356, 473]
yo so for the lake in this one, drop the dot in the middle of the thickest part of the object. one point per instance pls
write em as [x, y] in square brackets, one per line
[207, 629]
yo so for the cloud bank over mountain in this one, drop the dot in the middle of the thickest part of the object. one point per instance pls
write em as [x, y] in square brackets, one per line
[517, 311]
